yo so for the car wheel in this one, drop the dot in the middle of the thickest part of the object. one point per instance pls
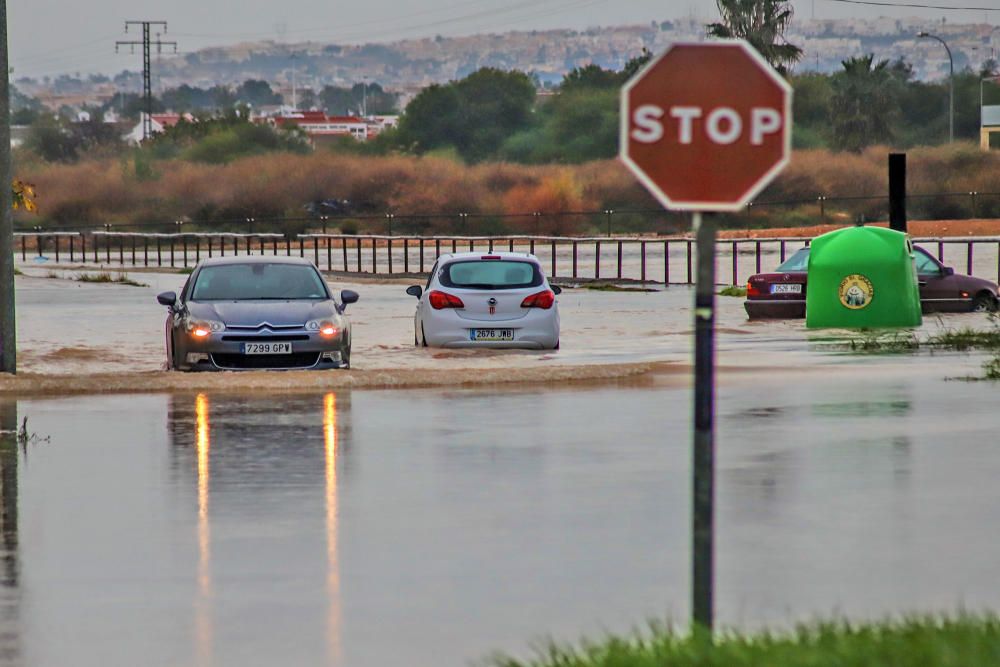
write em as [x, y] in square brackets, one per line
[172, 354]
[557, 346]
[984, 303]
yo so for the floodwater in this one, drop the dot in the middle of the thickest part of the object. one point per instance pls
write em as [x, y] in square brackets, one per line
[428, 527]
[113, 336]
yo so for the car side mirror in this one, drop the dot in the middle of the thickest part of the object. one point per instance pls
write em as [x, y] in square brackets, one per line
[168, 299]
[348, 296]
[947, 271]
[414, 290]
[556, 289]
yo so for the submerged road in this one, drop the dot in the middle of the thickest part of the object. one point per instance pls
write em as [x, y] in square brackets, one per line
[429, 527]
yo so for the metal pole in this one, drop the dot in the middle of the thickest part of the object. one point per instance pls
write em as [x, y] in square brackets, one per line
[8, 328]
[704, 431]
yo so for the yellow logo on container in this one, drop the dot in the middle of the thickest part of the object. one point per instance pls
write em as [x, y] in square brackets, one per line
[856, 291]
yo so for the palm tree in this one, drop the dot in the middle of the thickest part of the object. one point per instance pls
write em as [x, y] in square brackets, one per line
[865, 103]
[762, 23]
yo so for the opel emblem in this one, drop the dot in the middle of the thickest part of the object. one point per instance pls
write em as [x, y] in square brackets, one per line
[493, 305]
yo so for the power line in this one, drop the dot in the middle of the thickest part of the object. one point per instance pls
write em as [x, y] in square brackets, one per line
[147, 87]
[915, 5]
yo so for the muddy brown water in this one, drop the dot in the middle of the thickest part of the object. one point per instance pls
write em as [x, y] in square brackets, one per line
[434, 526]
[486, 502]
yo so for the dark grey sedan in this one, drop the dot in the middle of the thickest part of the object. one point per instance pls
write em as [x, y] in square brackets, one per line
[244, 313]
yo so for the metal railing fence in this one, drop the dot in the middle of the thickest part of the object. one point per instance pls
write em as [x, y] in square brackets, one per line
[645, 259]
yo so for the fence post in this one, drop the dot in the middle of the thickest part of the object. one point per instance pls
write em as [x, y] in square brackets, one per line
[689, 262]
[374, 256]
[969, 257]
[421, 254]
[642, 253]
[406, 255]
[597, 261]
[553, 258]
[975, 208]
[388, 253]
[757, 253]
[329, 254]
[781, 253]
[83, 247]
[822, 207]
[55, 237]
[343, 248]
[735, 265]
[359, 254]
[575, 249]
[666, 263]
[608, 213]
[71, 240]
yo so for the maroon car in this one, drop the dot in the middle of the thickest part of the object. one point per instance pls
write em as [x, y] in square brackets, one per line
[783, 292]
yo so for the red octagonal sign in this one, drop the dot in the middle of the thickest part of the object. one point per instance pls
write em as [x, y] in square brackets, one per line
[706, 126]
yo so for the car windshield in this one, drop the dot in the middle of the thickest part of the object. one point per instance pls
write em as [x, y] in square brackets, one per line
[797, 262]
[924, 263]
[258, 281]
[491, 274]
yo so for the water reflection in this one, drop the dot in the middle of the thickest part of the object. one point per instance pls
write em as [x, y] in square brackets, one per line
[333, 566]
[248, 453]
[203, 615]
[10, 597]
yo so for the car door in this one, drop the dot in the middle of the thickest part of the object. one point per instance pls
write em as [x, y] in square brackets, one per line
[939, 289]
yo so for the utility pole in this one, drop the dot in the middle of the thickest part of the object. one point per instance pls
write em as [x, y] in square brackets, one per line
[295, 100]
[147, 86]
[8, 329]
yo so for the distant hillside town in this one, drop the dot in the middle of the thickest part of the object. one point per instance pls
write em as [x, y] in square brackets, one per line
[405, 67]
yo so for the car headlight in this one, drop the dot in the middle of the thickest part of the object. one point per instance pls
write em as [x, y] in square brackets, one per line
[201, 328]
[324, 327]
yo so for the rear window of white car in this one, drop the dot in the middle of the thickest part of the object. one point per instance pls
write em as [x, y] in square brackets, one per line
[491, 274]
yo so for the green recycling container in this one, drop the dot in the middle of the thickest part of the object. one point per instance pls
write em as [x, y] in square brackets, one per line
[862, 278]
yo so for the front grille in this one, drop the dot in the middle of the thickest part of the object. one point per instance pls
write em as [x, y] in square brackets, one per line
[265, 339]
[249, 361]
[265, 325]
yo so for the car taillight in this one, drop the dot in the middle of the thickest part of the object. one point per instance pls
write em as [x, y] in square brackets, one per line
[541, 300]
[441, 300]
[752, 290]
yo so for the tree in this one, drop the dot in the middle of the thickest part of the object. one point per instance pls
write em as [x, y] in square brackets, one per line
[257, 93]
[864, 107]
[762, 23]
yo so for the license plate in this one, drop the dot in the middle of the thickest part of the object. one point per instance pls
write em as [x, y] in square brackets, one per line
[267, 348]
[791, 288]
[491, 334]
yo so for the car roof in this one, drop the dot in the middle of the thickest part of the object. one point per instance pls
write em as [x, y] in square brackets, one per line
[254, 259]
[466, 256]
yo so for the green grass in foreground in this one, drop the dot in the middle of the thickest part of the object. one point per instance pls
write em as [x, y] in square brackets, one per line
[608, 287]
[17, 272]
[106, 277]
[962, 641]
[733, 290]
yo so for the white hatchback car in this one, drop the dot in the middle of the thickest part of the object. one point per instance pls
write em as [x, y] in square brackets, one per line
[495, 300]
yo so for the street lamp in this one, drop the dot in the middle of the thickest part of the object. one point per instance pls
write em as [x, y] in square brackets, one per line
[951, 84]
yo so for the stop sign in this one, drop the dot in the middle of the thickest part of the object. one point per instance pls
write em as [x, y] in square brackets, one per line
[706, 126]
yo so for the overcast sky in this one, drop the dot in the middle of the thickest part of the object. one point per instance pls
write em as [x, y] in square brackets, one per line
[50, 37]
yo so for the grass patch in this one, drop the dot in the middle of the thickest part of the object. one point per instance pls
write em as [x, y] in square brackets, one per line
[17, 272]
[894, 342]
[607, 287]
[107, 277]
[911, 642]
[733, 290]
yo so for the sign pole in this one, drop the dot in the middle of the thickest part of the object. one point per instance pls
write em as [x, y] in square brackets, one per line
[8, 332]
[703, 513]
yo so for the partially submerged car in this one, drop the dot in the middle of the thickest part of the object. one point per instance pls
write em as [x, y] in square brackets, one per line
[782, 293]
[244, 313]
[494, 300]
